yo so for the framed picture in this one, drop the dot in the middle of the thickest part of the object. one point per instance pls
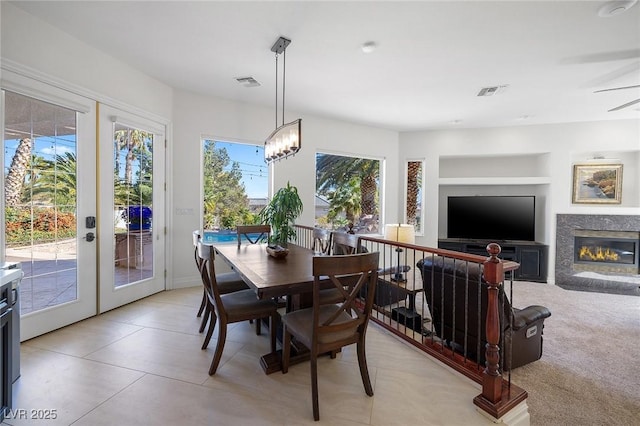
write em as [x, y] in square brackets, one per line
[597, 183]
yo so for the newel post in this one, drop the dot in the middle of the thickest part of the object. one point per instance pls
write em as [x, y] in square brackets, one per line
[494, 276]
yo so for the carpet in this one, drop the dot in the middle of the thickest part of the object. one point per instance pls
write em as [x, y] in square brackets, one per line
[589, 373]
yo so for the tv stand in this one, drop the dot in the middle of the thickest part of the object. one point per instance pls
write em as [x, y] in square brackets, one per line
[531, 256]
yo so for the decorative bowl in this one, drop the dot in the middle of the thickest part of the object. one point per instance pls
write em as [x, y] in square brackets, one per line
[277, 251]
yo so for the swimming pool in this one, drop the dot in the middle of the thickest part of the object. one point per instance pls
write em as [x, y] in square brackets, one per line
[224, 236]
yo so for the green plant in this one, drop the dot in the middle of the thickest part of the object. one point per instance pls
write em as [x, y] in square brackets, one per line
[280, 213]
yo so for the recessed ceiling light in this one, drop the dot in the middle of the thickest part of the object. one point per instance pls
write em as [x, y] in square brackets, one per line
[615, 7]
[368, 46]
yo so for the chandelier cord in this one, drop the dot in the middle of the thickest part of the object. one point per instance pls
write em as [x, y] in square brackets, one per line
[277, 91]
[284, 79]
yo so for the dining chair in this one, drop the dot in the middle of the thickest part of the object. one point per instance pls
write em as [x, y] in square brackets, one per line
[344, 243]
[233, 307]
[228, 282]
[321, 242]
[249, 232]
[195, 236]
[329, 327]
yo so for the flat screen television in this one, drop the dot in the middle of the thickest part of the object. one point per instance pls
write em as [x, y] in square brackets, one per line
[497, 218]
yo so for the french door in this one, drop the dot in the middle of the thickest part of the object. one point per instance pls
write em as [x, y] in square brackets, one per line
[131, 207]
[48, 193]
[82, 203]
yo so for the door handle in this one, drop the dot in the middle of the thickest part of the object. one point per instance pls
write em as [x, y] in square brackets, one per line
[90, 236]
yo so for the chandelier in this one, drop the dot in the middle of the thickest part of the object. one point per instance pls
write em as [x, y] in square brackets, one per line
[285, 140]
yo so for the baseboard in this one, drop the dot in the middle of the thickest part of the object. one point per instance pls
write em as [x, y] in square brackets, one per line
[184, 283]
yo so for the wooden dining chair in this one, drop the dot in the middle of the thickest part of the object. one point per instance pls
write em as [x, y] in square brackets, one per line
[249, 232]
[344, 243]
[329, 327]
[227, 282]
[321, 242]
[233, 307]
[195, 236]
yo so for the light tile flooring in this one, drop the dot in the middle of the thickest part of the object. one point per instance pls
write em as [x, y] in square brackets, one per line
[142, 364]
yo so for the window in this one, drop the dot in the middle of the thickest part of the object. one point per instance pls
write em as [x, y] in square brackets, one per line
[413, 204]
[235, 185]
[347, 193]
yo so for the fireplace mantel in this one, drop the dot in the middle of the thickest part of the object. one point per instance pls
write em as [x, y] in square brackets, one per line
[573, 277]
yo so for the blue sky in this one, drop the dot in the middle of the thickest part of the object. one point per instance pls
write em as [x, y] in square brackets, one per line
[255, 174]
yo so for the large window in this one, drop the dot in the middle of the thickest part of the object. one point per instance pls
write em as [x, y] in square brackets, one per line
[235, 180]
[347, 193]
[413, 204]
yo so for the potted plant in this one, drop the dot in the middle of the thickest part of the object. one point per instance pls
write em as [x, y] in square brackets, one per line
[280, 213]
[137, 217]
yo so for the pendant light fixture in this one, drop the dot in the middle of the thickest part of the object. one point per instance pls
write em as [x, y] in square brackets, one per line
[286, 139]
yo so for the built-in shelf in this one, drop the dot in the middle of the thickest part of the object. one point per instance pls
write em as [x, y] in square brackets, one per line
[535, 180]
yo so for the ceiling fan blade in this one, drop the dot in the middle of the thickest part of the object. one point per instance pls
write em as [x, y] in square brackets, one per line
[628, 104]
[617, 88]
[603, 57]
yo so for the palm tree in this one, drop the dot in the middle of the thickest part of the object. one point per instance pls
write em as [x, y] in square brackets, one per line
[334, 171]
[346, 198]
[413, 185]
[56, 180]
[133, 141]
[14, 181]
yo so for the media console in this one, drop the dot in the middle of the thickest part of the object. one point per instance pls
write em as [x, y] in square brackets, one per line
[532, 256]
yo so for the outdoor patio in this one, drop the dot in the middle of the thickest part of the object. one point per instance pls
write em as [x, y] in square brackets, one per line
[50, 274]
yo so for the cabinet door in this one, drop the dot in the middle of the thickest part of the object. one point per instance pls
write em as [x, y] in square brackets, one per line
[532, 264]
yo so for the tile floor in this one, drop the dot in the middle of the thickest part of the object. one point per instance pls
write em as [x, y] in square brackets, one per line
[142, 364]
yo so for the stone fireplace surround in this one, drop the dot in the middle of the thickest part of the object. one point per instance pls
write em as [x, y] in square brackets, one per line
[571, 279]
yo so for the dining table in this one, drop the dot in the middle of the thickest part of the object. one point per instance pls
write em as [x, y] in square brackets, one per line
[273, 277]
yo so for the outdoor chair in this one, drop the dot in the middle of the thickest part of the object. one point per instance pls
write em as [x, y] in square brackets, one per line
[329, 327]
[233, 307]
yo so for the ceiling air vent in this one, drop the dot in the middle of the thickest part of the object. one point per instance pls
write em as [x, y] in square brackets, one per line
[248, 81]
[489, 91]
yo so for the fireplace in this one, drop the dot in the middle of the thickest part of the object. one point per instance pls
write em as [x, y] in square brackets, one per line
[598, 253]
[606, 253]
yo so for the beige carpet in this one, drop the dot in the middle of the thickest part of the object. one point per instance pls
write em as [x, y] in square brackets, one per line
[589, 373]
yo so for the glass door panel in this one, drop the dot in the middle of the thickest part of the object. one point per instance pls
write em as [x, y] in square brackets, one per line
[41, 209]
[40, 200]
[132, 205]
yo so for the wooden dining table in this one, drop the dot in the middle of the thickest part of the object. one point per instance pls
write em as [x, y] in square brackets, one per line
[272, 277]
[267, 275]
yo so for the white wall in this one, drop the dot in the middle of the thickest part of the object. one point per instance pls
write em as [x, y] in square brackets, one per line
[34, 43]
[551, 151]
[196, 116]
